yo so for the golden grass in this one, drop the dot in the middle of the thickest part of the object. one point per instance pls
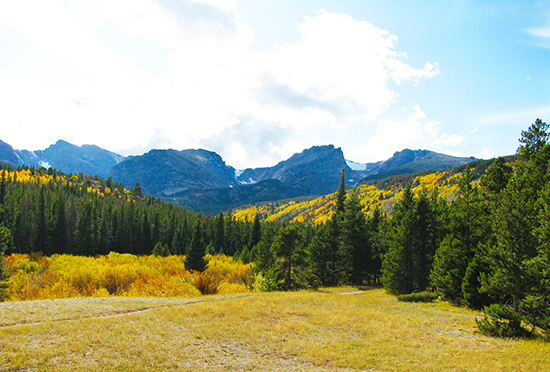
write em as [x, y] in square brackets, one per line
[329, 330]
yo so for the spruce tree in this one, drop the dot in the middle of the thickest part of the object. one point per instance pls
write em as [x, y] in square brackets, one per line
[519, 257]
[330, 260]
[376, 227]
[287, 247]
[265, 258]
[341, 196]
[319, 257]
[398, 262]
[256, 233]
[42, 239]
[4, 240]
[195, 254]
[219, 234]
[468, 228]
[59, 238]
[355, 240]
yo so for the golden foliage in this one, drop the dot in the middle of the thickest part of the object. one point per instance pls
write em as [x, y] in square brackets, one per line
[62, 276]
[319, 210]
[39, 177]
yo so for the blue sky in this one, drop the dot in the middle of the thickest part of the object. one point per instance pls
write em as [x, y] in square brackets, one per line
[257, 81]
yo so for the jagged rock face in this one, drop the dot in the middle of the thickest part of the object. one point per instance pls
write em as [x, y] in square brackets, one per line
[168, 172]
[314, 171]
[200, 179]
[69, 158]
[7, 155]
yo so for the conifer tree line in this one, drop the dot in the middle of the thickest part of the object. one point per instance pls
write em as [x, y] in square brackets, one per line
[62, 216]
[488, 249]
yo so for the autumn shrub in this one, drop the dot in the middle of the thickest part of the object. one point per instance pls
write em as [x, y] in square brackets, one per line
[229, 288]
[227, 269]
[115, 274]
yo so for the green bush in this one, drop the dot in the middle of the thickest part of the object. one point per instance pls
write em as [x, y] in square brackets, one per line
[418, 297]
[501, 321]
[266, 282]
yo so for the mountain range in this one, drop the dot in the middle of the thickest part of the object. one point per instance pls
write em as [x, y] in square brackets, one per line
[200, 180]
[69, 158]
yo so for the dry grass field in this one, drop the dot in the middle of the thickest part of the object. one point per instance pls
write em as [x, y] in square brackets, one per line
[340, 329]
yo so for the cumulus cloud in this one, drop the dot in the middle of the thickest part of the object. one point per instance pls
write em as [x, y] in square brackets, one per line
[485, 154]
[409, 132]
[210, 88]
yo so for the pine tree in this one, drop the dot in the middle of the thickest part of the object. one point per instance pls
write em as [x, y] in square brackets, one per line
[412, 239]
[287, 247]
[161, 250]
[468, 228]
[59, 227]
[514, 224]
[536, 304]
[330, 260]
[42, 239]
[376, 226]
[219, 234]
[341, 196]
[84, 231]
[4, 240]
[518, 259]
[355, 240]
[197, 250]
[256, 233]
[265, 258]
[398, 263]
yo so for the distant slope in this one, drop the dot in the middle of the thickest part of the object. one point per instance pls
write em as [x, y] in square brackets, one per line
[169, 172]
[412, 161]
[69, 158]
[314, 171]
[215, 200]
[381, 194]
[88, 159]
[200, 180]
[7, 154]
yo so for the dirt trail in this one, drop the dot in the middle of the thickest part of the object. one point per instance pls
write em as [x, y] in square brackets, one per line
[14, 314]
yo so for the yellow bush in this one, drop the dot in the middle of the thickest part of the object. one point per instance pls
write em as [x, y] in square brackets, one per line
[228, 288]
[60, 276]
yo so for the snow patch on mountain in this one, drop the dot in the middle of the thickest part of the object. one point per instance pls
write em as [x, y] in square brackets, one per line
[44, 164]
[356, 166]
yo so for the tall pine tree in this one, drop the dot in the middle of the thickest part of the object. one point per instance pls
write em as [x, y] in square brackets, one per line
[197, 250]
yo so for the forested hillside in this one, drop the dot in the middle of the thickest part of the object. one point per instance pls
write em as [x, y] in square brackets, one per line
[378, 194]
[50, 212]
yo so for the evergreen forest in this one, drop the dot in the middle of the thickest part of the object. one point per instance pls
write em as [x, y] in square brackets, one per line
[485, 245]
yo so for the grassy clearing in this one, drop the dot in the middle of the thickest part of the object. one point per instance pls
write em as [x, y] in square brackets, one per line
[338, 329]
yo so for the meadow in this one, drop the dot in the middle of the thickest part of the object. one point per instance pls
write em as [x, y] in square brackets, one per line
[339, 329]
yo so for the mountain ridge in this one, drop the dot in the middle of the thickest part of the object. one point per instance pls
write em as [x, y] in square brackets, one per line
[65, 156]
[200, 180]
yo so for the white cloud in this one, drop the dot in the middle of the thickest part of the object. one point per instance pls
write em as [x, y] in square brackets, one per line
[391, 136]
[336, 75]
[410, 132]
[485, 154]
[540, 32]
[449, 140]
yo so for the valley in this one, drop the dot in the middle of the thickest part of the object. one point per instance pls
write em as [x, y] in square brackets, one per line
[337, 329]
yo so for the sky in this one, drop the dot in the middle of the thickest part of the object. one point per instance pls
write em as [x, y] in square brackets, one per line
[259, 80]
